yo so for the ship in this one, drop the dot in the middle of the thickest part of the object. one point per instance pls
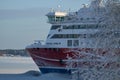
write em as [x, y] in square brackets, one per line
[73, 39]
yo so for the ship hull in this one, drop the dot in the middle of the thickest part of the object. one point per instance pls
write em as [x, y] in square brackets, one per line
[49, 60]
[54, 70]
[56, 60]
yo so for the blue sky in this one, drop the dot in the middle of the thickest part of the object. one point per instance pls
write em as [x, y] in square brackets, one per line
[23, 21]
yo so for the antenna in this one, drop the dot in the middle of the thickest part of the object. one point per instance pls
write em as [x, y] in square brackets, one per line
[52, 10]
[59, 6]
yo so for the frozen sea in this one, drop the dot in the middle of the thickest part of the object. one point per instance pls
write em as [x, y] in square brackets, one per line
[23, 68]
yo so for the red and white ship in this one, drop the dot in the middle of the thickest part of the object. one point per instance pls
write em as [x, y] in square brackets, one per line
[73, 35]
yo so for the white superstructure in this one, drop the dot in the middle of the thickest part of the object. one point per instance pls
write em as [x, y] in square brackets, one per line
[75, 29]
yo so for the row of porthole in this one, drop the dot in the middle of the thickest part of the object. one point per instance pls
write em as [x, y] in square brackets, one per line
[48, 49]
[52, 49]
[87, 18]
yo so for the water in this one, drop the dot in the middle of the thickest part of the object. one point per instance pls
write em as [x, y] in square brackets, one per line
[23, 68]
[16, 65]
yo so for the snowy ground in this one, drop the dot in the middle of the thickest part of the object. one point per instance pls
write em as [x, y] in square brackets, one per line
[19, 68]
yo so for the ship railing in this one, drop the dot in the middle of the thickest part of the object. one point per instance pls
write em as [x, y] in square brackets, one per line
[40, 42]
[72, 21]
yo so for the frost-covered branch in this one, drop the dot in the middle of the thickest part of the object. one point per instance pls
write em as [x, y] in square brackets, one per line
[107, 39]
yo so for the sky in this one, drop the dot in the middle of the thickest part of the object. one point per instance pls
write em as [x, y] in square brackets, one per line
[23, 21]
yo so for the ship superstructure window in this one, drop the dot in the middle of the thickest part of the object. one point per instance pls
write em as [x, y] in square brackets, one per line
[73, 36]
[55, 27]
[92, 26]
[51, 18]
[81, 18]
[73, 43]
[88, 18]
[59, 18]
[69, 43]
[119, 43]
[66, 36]
[117, 34]
[76, 43]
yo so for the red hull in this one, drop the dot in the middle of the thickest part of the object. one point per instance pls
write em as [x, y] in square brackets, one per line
[57, 57]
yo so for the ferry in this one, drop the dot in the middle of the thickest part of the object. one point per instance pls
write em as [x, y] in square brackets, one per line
[72, 40]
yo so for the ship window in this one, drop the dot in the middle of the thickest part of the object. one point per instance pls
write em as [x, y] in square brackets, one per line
[62, 18]
[88, 18]
[77, 35]
[58, 18]
[76, 26]
[81, 18]
[79, 26]
[91, 26]
[93, 18]
[69, 42]
[76, 43]
[117, 34]
[82, 27]
[74, 35]
[49, 49]
[48, 35]
[51, 18]
[73, 27]
[65, 27]
[69, 18]
[37, 48]
[119, 43]
[55, 27]
[65, 36]
[54, 49]
[45, 49]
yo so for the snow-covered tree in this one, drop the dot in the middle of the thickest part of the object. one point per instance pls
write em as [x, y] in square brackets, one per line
[107, 39]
